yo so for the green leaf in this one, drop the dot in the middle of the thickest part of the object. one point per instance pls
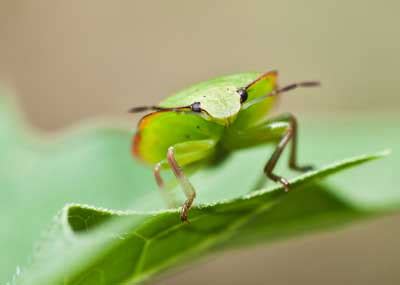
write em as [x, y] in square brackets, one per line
[111, 247]
[91, 164]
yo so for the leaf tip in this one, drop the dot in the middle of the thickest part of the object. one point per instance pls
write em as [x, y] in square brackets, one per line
[384, 152]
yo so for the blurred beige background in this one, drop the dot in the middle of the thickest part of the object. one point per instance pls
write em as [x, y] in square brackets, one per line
[70, 60]
[73, 60]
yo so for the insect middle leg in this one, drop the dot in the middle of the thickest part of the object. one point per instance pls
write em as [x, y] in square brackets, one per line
[169, 200]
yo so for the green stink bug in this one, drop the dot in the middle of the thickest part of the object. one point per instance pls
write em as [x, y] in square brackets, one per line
[212, 119]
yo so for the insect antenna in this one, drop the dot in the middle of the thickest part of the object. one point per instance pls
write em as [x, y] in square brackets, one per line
[140, 109]
[283, 90]
[297, 85]
[194, 107]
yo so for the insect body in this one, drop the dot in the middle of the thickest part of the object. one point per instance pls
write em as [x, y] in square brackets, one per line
[215, 117]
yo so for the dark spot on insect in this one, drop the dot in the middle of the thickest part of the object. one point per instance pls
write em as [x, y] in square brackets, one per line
[187, 136]
[196, 107]
[243, 94]
[198, 127]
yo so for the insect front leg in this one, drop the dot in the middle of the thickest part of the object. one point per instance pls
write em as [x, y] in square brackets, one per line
[187, 187]
[185, 154]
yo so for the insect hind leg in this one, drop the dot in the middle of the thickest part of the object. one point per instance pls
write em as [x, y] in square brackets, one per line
[293, 164]
[290, 134]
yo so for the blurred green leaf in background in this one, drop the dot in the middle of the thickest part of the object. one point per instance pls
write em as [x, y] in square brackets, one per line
[92, 165]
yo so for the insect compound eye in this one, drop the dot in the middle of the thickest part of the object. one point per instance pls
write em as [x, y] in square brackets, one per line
[196, 107]
[243, 95]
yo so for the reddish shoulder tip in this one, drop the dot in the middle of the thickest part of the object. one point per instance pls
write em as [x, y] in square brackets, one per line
[135, 145]
[272, 73]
